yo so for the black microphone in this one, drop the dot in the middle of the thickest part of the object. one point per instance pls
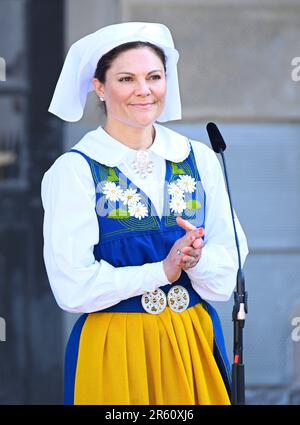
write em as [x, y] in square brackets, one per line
[240, 307]
[215, 137]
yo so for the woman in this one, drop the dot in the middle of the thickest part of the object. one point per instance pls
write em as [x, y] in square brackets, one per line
[124, 242]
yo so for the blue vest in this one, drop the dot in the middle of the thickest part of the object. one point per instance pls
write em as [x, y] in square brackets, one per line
[125, 240]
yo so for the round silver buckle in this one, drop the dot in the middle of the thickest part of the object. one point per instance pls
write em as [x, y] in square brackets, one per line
[178, 298]
[154, 302]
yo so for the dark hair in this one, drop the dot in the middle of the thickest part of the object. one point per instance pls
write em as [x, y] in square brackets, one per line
[106, 60]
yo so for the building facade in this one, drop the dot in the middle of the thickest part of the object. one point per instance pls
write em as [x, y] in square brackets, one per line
[237, 67]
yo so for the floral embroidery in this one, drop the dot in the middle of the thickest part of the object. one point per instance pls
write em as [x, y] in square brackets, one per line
[112, 191]
[128, 197]
[184, 184]
[138, 210]
[177, 205]
[175, 191]
[115, 193]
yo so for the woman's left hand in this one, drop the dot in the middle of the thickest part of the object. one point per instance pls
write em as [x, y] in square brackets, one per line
[190, 255]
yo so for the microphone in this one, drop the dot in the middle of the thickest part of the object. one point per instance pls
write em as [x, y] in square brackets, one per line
[215, 137]
[240, 307]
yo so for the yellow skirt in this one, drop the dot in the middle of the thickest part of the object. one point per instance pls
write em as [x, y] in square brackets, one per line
[139, 358]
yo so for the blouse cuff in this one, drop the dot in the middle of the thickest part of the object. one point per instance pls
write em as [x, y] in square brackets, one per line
[136, 280]
[201, 272]
[212, 279]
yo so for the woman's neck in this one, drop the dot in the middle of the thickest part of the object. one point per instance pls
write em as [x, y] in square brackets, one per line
[134, 138]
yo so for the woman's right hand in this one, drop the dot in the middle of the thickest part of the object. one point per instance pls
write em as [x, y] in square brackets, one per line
[193, 238]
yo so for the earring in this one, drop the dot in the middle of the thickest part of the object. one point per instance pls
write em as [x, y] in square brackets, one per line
[101, 98]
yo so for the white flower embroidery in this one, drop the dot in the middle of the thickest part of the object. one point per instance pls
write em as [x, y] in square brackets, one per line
[177, 205]
[186, 183]
[138, 210]
[175, 191]
[112, 191]
[130, 197]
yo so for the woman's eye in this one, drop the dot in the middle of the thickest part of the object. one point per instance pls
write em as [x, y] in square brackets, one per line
[125, 79]
[155, 77]
[152, 77]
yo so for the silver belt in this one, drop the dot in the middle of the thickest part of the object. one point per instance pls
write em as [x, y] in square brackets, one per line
[155, 302]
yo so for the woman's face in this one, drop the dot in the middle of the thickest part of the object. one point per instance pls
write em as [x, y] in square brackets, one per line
[135, 88]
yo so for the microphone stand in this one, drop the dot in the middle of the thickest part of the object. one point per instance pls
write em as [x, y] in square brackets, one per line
[239, 311]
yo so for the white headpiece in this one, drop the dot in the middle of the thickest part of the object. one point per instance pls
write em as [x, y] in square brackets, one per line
[75, 80]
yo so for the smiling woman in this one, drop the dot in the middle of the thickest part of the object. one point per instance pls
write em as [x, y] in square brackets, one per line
[130, 79]
[125, 212]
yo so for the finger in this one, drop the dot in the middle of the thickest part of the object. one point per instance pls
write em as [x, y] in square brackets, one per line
[184, 260]
[191, 236]
[189, 264]
[198, 243]
[188, 259]
[191, 252]
[201, 231]
[187, 250]
[186, 225]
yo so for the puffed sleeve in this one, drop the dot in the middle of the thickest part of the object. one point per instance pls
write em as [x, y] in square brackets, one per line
[70, 229]
[214, 277]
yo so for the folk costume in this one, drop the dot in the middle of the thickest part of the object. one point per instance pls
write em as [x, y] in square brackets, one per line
[110, 221]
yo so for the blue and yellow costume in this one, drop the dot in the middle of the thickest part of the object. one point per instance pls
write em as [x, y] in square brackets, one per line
[124, 355]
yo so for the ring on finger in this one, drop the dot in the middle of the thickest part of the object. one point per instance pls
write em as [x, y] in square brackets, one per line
[178, 251]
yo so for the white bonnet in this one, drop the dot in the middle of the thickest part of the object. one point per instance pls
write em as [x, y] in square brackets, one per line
[75, 80]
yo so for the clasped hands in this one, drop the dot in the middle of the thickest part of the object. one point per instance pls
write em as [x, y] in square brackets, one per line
[186, 251]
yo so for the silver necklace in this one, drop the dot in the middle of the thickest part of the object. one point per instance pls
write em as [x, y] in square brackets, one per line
[142, 164]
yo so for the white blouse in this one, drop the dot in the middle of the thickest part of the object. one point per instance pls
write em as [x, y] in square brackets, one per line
[79, 282]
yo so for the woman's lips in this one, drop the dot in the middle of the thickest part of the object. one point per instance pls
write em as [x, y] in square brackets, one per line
[142, 105]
